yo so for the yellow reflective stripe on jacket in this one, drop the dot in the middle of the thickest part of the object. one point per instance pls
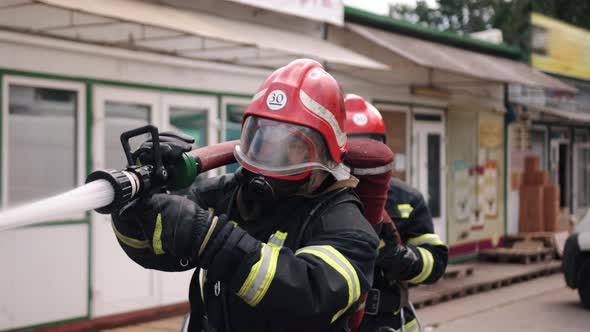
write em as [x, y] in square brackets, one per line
[430, 239]
[405, 210]
[131, 242]
[412, 326]
[261, 275]
[277, 239]
[381, 243]
[157, 239]
[427, 265]
[262, 272]
[339, 263]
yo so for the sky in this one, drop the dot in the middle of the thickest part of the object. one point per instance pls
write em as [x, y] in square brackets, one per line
[381, 6]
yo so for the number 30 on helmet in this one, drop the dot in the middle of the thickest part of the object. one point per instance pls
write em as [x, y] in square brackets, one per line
[294, 124]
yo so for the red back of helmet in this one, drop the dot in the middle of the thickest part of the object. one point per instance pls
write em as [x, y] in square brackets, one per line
[362, 118]
[306, 101]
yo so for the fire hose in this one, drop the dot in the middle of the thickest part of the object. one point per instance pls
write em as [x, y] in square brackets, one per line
[107, 190]
[137, 180]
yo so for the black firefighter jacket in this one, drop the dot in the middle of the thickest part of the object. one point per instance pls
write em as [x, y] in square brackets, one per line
[299, 277]
[409, 212]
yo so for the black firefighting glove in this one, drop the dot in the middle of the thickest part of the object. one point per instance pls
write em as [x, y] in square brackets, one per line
[174, 225]
[172, 146]
[395, 259]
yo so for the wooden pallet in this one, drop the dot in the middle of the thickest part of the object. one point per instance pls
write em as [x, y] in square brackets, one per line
[547, 238]
[423, 296]
[454, 271]
[521, 254]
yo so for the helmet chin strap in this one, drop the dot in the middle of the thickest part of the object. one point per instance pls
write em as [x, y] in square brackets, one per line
[316, 179]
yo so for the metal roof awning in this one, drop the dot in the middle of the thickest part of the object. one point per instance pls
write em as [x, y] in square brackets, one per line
[458, 61]
[189, 34]
[576, 116]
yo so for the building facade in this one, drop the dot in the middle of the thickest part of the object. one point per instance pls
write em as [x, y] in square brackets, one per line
[75, 74]
[554, 125]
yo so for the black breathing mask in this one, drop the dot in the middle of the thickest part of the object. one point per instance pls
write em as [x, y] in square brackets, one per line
[266, 189]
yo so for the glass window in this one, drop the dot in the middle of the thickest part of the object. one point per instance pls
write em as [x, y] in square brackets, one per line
[41, 142]
[395, 125]
[560, 133]
[539, 146]
[191, 121]
[581, 135]
[120, 117]
[434, 187]
[233, 127]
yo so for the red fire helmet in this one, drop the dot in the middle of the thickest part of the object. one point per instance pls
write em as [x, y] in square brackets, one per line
[363, 119]
[294, 124]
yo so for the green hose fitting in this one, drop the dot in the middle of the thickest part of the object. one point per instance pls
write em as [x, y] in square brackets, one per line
[182, 173]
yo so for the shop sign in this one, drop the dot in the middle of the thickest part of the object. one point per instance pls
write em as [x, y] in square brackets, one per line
[560, 48]
[534, 96]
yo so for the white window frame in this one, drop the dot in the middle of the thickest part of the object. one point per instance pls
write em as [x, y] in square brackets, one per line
[227, 101]
[576, 185]
[104, 93]
[546, 140]
[80, 124]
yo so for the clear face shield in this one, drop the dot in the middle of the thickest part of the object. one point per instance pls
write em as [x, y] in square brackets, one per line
[283, 150]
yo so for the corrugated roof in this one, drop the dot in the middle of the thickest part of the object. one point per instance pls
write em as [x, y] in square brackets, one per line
[454, 60]
[189, 34]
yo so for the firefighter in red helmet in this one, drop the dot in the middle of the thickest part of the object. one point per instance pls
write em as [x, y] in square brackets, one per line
[282, 241]
[409, 250]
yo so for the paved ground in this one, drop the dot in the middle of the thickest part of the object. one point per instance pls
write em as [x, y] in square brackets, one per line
[542, 304]
[485, 276]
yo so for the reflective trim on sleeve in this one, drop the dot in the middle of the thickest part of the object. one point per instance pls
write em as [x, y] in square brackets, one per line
[412, 326]
[157, 238]
[261, 275]
[277, 239]
[405, 210]
[427, 265]
[131, 242]
[381, 243]
[430, 239]
[339, 263]
[263, 271]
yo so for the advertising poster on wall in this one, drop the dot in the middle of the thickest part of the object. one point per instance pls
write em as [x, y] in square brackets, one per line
[463, 184]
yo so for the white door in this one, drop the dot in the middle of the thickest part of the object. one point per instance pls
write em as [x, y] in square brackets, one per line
[118, 284]
[581, 198]
[44, 269]
[194, 116]
[428, 169]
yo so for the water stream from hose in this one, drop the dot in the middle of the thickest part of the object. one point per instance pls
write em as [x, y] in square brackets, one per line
[90, 196]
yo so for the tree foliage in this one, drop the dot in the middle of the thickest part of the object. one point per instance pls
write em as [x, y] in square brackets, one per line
[512, 17]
